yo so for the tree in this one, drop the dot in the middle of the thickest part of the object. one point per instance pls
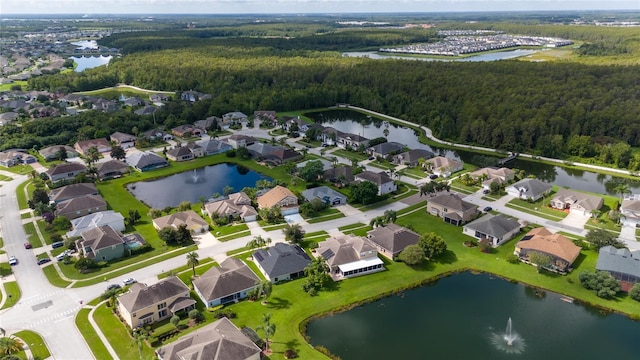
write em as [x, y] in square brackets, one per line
[61, 154]
[263, 290]
[83, 264]
[184, 206]
[432, 245]
[622, 189]
[39, 196]
[541, 260]
[311, 171]
[183, 235]
[634, 292]
[257, 242]
[268, 327]
[390, 216]
[10, 345]
[133, 217]
[175, 321]
[272, 215]
[196, 315]
[168, 235]
[92, 156]
[192, 260]
[317, 276]
[428, 188]
[412, 255]
[364, 192]
[227, 190]
[293, 233]
[117, 152]
[601, 237]
[601, 282]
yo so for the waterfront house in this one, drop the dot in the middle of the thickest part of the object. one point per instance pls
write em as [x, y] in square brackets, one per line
[498, 229]
[451, 208]
[237, 205]
[190, 218]
[576, 202]
[443, 166]
[180, 153]
[227, 283]
[384, 149]
[111, 169]
[349, 256]
[412, 157]
[529, 189]
[281, 262]
[491, 175]
[145, 161]
[563, 252]
[391, 239]
[622, 264]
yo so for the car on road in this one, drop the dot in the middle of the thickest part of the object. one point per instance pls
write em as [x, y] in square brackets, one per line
[27, 245]
[487, 209]
[43, 261]
[372, 158]
[433, 176]
[114, 287]
[325, 144]
[58, 244]
[129, 281]
[485, 191]
[13, 261]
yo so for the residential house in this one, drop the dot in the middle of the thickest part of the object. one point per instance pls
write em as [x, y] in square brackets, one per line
[195, 149]
[622, 264]
[111, 169]
[102, 243]
[265, 116]
[353, 141]
[192, 96]
[8, 117]
[133, 101]
[145, 161]
[294, 123]
[529, 189]
[102, 145]
[326, 194]
[451, 208]
[576, 202]
[53, 152]
[340, 175]
[212, 147]
[235, 117]
[237, 205]
[110, 218]
[349, 256]
[498, 229]
[391, 239]
[563, 252]
[157, 134]
[143, 305]
[630, 210]
[187, 131]
[124, 140]
[384, 183]
[412, 157]
[81, 206]
[443, 166]
[189, 218]
[146, 110]
[180, 153]
[72, 191]
[281, 197]
[385, 149]
[207, 123]
[220, 340]
[281, 262]
[158, 98]
[274, 154]
[9, 158]
[229, 282]
[491, 175]
[326, 164]
[65, 171]
[238, 141]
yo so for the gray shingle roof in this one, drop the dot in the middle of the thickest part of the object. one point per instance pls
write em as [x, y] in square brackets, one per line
[142, 160]
[394, 238]
[143, 297]
[531, 187]
[72, 191]
[100, 238]
[282, 259]
[452, 201]
[66, 168]
[494, 225]
[231, 277]
[376, 178]
[320, 192]
[619, 260]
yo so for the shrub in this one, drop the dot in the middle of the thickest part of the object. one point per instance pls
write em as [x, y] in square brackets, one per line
[512, 258]
[196, 315]
[290, 354]
[634, 293]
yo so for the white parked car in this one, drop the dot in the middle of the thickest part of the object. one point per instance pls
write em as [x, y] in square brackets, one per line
[13, 261]
[129, 281]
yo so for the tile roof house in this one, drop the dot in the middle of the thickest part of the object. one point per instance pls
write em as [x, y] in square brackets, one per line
[102, 145]
[630, 209]
[144, 305]
[412, 157]
[81, 206]
[451, 208]
[576, 202]
[386, 148]
[229, 282]
[529, 189]
[339, 175]
[124, 140]
[145, 161]
[281, 262]
[236, 205]
[349, 256]
[384, 183]
[443, 166]
[72, 191]
[65, 171]
[102, 243]
[490, 175]
[51, 152]
[190, 218]
[391, 239]
[326, 194]
[180, 153]
[498, 229]
[562, 250]
[220, 340]
[111, 169]
[622, 264]
[111, 218]
[279, 196]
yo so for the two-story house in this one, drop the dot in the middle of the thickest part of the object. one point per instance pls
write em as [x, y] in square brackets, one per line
[229, 282]
[451, 208]
[384, 183]
[65, 171]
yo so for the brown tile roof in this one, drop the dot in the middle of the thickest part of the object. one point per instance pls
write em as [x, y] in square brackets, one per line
[231, 277]
[80, 203]
[189, 218]
[100, 237]
[452, 201]
[542, 240]
[340, 250]
[142, 297]
[274, 196]
[66, 168]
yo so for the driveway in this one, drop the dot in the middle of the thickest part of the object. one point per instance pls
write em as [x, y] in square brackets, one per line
[575, 219]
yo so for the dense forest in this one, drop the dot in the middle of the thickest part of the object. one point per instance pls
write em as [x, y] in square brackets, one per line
[511, 105]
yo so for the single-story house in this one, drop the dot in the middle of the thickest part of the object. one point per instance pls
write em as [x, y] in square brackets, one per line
[630, 210]
[349, 256]
[238, 141]
[212, 147]
[443, 166]
[220, 340]
[65, 171]
[192, 95]
[180, 153]
[622, 264]
[190, 218]
[341, 175]
[102, 243]
[143, 305]
[158, 98]
[72, 191]
[229, 282]
[279, 196]
[102, 145]
[111, 218]
[157, 134]
[281, 262]
[498, 229]
[187, 131]
[81, 206]
[412, 157]
[124, 140]
[576, 202]
[529, 189]
[563, 252]
[490, 175]
[111, 169]
[391, 239]
[273, 153]
[384, 183]
[386, 148]
[52, 152]
[236, 205]
[145, 161]
[326, 194]
[146, 110]
[452, 209]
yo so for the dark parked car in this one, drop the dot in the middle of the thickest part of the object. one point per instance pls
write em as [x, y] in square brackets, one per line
[114, 287]
[485, 191]
[27, 245]
[487, 209]
[58, 244]
[43, 261]
[433, 176]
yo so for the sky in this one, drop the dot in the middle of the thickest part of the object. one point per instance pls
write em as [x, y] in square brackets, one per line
[298, 6]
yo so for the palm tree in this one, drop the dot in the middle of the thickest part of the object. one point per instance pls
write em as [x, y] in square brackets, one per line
[12, 345]
[390, 216]
[622, 189]
[264, 290]
[385, 132]
[138, 339]
[268, 327]
[192, 260]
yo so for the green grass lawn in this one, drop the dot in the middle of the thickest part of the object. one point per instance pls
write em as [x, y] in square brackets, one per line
[4, 178]
[273, 227]
[91, 336]
[351, 155]
[54, 277]
[13, 294]
[20, 195]
[186, 268]
[35, 342]
[118, 336]
[229, 230]
[234, 236]
[537, 208]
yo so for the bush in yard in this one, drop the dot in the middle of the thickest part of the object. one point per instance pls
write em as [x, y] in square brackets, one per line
[512, 258]
[290, 354]
[634, 293]
[196, 315]
[175, 320]
[485, 245]
[604, 285]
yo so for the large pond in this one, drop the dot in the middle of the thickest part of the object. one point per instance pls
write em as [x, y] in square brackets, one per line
[192, 185]
[465, 317]
[352, 122]
[490, 56]
[88, 62]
